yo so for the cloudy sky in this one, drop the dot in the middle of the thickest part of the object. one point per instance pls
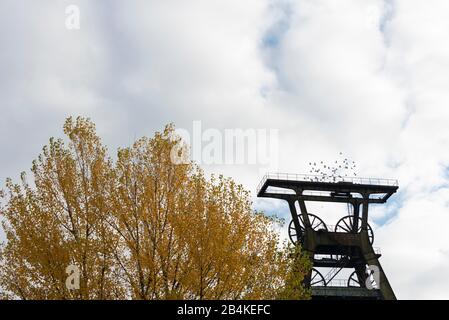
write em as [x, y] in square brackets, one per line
[369, 79]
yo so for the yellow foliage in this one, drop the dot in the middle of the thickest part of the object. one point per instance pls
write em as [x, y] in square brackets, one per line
[139, 227]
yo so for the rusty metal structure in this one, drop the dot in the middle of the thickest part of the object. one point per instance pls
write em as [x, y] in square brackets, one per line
[348, 245]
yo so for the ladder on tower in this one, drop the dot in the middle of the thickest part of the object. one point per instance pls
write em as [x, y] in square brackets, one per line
[342, 262]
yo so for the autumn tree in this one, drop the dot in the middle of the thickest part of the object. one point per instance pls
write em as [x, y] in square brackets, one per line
[300, 266]
[139, 227]
[59, 219]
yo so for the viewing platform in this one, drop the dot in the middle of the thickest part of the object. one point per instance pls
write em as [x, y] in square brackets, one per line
[326, 188]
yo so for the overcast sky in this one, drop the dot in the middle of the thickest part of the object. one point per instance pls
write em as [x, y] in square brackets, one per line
[366, 78]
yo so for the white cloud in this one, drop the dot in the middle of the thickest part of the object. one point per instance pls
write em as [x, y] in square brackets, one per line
[366, 78]
[378, 93]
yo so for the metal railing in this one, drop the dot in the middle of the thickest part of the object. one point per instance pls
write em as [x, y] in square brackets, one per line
[322, 178]
[280, 191]
[337, 283]
[332, 283]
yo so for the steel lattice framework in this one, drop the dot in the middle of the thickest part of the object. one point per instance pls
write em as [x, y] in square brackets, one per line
[349, 244]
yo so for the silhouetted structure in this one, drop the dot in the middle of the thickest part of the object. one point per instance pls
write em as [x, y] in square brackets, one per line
[348, 244]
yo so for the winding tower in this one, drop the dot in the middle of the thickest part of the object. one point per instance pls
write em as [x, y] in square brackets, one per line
[348, 245]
